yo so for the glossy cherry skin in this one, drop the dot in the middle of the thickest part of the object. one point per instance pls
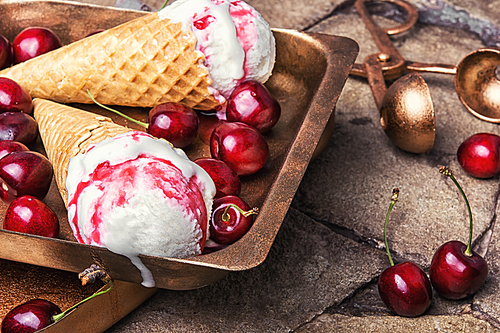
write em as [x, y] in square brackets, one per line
[251, 103]
[240, 146]
[455, 275]
[30, 215]
[228, 232]
[405, 289]
[24, 173]
[9, 146]
[479, 155]
[6, 53]
[225, 179]
[34, 41]
[18, 126]
[30, 316]
[13, 97]
[174, 122]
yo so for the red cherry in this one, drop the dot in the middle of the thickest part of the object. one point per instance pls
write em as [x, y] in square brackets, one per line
[30, 316]
[251, 103]
[404, 288]
[9, 146]
[30, 215]
[456, 271]
[225, 179]
[479, 155]
[454, 274]
[240, 146]
[34, 41]
[174, 122]
[13, 97]
[6, 53]
[231, 219]
[24, 173]
[18, 126]
[207, 125]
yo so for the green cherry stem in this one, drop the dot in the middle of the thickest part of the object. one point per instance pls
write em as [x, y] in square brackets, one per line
[226, 217]
[57, 317]
[394, 198]
[140, 123]
[164, 4]
[447, 172]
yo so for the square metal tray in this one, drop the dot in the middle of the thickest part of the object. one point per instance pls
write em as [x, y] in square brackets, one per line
[310, 72]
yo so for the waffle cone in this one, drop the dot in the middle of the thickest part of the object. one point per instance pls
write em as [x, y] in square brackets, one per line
[66, 132]
[141, 63]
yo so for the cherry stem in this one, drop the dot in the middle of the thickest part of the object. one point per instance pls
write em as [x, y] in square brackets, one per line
[394, 198]
[226, 217]
[140, 123]
[62, 314]
[447, 172]
[164, 4]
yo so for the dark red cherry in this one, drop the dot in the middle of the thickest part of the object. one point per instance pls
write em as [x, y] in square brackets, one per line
[251, 103]
[479, 155]
[34, 41]
[240, 146]
[231, 219]
[6, 53]
[24, 173]
[30, 316]
[18, 126]
[207, 125]
[225, 179]
[30, 215]
[405, 289]
[454, 274]
[174, 122]
[9, 146]
[13, 97]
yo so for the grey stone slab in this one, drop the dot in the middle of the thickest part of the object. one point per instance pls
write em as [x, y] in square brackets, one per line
[355, 175]
[308, 270]
[392, 324]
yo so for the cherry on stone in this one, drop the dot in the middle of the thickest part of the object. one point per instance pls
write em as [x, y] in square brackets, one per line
[404, 288]
[251, 103]
[13, 97]
[30, 215]
[24, 173]
[240, 146]
[18, 126]
[479, 155]
[6, 53]
[225, 179]
[34, 41]
[231, 219]
[30, 316]
[10, 146]
[456, 270]
[173, 122]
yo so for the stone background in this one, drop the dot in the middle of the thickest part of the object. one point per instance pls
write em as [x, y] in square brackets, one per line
[321, 274]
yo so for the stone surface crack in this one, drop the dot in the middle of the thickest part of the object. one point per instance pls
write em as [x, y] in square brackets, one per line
[482, 243]
[477, 312]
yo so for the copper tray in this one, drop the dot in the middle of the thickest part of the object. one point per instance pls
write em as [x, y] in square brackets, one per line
[309, 75]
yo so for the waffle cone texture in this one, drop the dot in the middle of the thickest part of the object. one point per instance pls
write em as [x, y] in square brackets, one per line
[141, 63]
[67, 131]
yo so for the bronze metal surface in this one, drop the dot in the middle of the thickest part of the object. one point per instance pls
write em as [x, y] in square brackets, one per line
[406, 110]
[310, 72]
[22, 282]
[477, 84]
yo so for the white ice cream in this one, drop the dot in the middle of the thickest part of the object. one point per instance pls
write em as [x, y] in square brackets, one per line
[236, 41]
[135, 194]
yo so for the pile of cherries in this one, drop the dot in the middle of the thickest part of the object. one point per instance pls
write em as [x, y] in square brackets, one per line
[238, 148]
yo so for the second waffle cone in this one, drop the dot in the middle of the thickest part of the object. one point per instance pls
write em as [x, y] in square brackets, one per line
[142, 63]
[67, 131]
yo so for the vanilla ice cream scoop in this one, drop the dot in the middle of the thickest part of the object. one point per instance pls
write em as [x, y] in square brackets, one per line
[135, 194]
[237, 42]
